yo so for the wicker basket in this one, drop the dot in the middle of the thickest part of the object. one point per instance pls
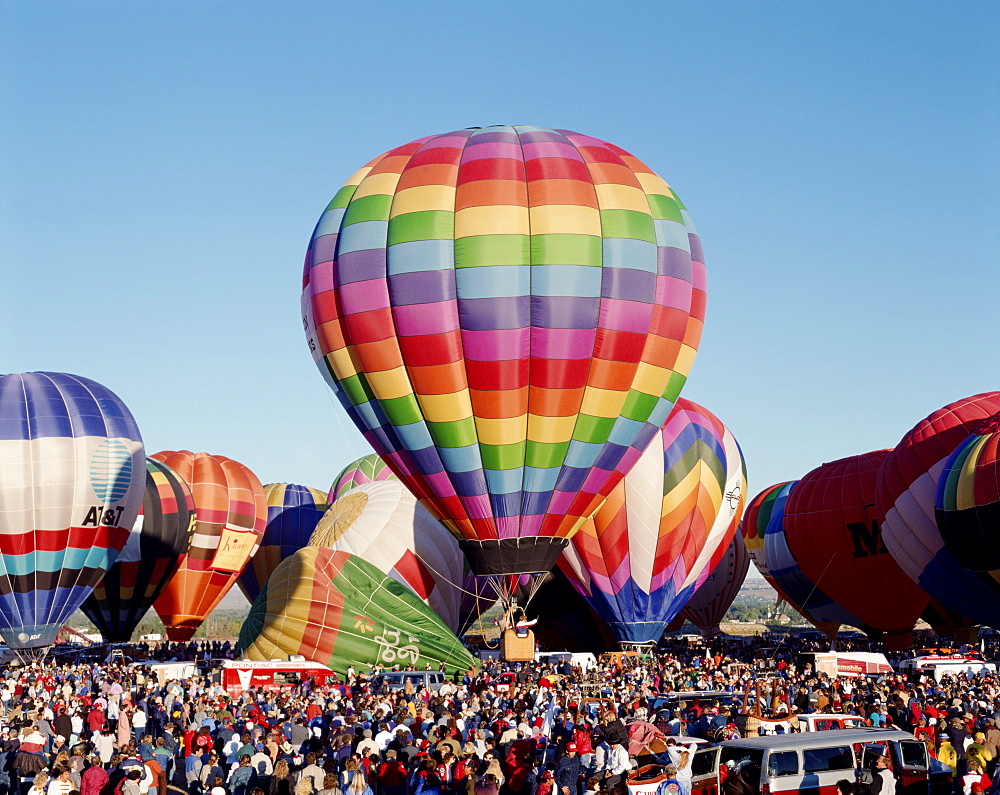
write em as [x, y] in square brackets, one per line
[517, 649]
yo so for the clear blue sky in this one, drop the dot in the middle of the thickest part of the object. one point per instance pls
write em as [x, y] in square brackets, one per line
[162, 166]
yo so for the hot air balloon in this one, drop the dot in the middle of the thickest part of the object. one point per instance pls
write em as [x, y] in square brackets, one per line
[967, 507]
[647, 548]
[907, 487]
[708, 604]
[334, 608]
[753, 528]
[230, 515]
[508, 314]
[383, 524]
[293, 512]
[789, 579]
[834, 536]
[367, 469]
[72, 462]
[160, 536]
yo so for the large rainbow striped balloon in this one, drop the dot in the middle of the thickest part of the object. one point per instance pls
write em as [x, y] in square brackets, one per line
[508, 314]
[663, 528]
[967, 505]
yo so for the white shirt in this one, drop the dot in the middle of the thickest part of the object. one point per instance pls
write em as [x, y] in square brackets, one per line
[618, 760]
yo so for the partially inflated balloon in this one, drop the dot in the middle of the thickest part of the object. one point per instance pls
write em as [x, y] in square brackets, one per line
[907, 487]
[230, 515]
[159, 538]
[339, 610]
[709, 603]
[834, 536]
[967, 507]
[508, 314]
[753, 529]
[71, 483]
[383, 524]
[799, 590]
[645, 550]
[293, 512]
[367, 469]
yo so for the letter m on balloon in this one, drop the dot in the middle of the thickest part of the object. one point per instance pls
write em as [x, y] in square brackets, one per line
[867, 539]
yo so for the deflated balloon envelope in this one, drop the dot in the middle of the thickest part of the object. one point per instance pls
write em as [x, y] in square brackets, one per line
[159, 538]
[643, 554]
[508, 314]
[230, 514]
[293, 512]
[73, 476]
[334, 608]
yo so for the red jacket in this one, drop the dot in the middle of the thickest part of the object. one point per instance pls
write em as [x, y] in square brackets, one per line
[93, 780]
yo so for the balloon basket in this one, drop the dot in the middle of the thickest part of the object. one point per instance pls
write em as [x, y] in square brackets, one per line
[517, 648]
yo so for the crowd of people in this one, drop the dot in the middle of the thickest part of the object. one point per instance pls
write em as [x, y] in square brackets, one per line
[107, 727]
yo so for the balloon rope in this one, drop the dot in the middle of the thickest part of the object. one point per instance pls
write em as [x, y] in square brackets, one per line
[806, 601]
[338, 409]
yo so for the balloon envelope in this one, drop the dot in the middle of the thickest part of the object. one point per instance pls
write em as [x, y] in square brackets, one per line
[801, 591]
[753, 529]
[648, 547]
[708, 604]
[383, 524]
[71, 458]
[508, 314]
[160, 536]
[967, 507]
[230, 515]
[293, 512]
[907, 487]
[334, 608]
[834, 535]
[367, 469]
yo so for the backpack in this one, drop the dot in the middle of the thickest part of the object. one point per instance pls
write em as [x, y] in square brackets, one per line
[864, 778]
[670, 787]
[120, 784]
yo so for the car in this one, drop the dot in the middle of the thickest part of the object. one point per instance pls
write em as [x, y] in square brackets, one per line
[396, 680]
[688, 699]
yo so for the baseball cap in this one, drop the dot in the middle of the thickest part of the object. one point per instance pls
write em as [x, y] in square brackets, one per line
[570, 746]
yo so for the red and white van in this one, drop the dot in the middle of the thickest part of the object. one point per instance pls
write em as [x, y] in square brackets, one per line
[272, 675]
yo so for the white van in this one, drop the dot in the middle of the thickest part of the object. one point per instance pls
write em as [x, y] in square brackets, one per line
[821, 722]
[937, 666]
[811, 763]
[585, 660]
[396, 680]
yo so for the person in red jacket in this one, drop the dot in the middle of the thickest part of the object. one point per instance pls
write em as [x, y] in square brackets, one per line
[94, 778]
[392, 774]
[96, 719]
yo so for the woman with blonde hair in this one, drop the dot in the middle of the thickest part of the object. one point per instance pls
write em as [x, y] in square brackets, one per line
[39, 783]
[359, 784]
[282, 782]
